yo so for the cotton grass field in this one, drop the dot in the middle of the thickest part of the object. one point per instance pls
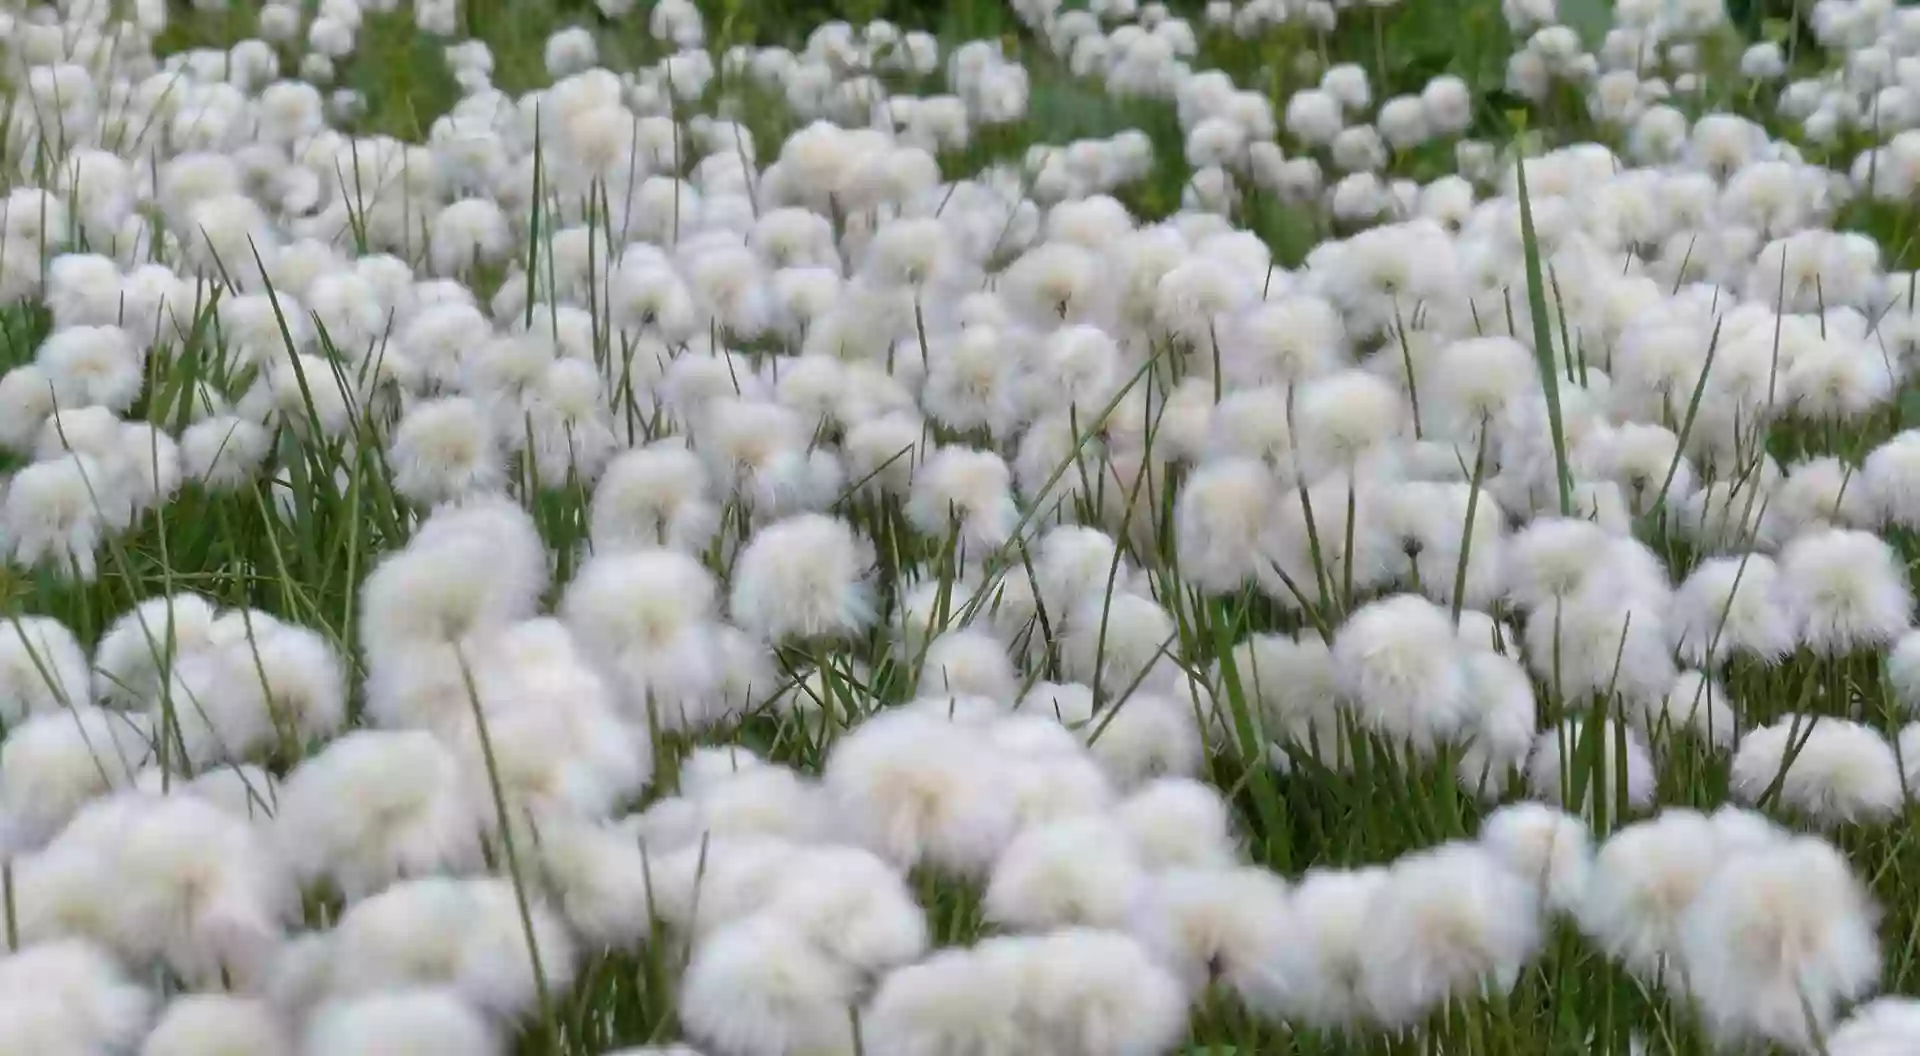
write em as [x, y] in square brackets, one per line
[1268, 528]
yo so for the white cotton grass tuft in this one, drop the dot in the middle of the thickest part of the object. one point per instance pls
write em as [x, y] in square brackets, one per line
[1733, 606]
[1449, 922]
[42, 669]
[1549, 848]
[918, 789]
[1316, 976]
[1076, 871]
[464, 934]
[173, 880]
[375, 806]
[1398, 662]
[1645, 878]
[759, 986]
[1215, 923]
[444, 449]
[1832, 771]
[1178, 822]
[1884, 1026]
[53, 764]
[1845, 590]
[427, 1021]
[198, 1024]
[1780, 937]
[69, 995]
[1696, 706]
[804, 577]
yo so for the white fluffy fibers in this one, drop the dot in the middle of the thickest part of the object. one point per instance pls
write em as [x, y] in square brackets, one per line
[853, 905]
[54, 511]
[172, 879]
[1645, 877]
[968, 663]
[68, 996]
[42, 669]
[1601, 642]
[1450, 922]
[427, 594]
[1147, 735]
[1696, 706]
[128, 660]
[959, 488]
[760, 988]
[1315, 977]
[1550, 848]
[223, 452]
[1179, 822]
[1885, 1026]
[467, 935]
[1845, 590]
[1113, 640]
[1397, 661]
[375, 806]
[1096, 993]
[1221, 518]
[960, 1000]
[1834, 771]
[654, 496]
[443, 449]
[52, 764]
[1075, 871]
[646, 617]
[1208, 924]
[428, 1021]
[219, 1025]
[1732, 606]
[916, 788]
[804, 577]
[1779, 938]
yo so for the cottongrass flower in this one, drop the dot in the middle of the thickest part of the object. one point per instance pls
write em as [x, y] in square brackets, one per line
[1780, 936]
[760, 988]
[1833, 771]
[1645, 878]
[463, 934]
[1846, 590]
[375, 806]
[167, 879]
[1178, 822]
[804, 577]
[1078, 992]
[1884, 1026]
[917, 788]
[424, 1021]
[1607, 764]
[51, 765]
[1733, 606]
[42, 669]
[196, 1024]
[1398, 662]
[1212, 924]
[1548, 847]
[1695, 706]
[1451, 922]
[1318, 975]
[69, 996]
[1076, 871]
